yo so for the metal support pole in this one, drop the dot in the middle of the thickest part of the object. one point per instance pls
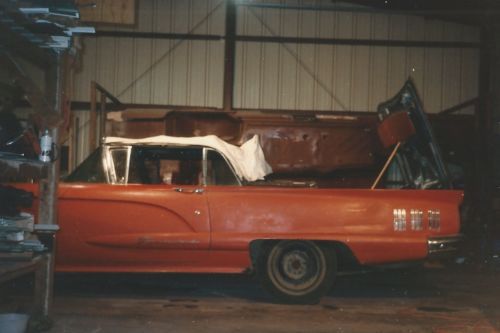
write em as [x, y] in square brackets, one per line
[386, 165]
[492, 139]
[229, 53]
[487, 76]
[48, 187]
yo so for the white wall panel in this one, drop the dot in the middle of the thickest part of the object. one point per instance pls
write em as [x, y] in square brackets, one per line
[124, 63]
[161, 87]
[179, 73]
[85, 71]
[213, 88]
[141, 89]
[350, 78]
[416, 66]
[279, 76]
[288, 22]
[342, 69]
[269, 91]
[287, 76]
[197, 72]
[159, 71]
[305, 74]
[323, 86]
[343, 77]
[451, 90]
[380, 26]
[397, 69]
[360, 78]
[432, 91]
[470, 61]
[176, 16]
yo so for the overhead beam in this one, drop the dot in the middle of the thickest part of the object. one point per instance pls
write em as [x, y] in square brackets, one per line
[382, 7]
[154, 35]
[360, 42]
[291, 40]
[86, 106]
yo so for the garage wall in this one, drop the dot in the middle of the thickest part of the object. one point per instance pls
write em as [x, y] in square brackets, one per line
[159, 71]
[279, 76]
[343, 77]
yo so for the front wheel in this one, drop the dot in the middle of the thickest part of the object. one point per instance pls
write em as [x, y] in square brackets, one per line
[296, 271]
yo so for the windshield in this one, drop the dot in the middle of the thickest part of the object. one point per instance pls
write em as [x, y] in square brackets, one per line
[90, 171]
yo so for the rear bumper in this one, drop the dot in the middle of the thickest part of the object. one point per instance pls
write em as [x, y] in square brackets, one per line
[444, 247]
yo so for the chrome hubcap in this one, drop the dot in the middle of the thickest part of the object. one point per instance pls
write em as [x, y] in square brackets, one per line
[295, 264]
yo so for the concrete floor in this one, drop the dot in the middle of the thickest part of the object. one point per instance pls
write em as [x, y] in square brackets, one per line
[453, 300]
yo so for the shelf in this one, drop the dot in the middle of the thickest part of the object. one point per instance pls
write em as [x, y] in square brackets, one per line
[10, 270]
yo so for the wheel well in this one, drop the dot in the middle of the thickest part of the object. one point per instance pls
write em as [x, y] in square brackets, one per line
[346, 259]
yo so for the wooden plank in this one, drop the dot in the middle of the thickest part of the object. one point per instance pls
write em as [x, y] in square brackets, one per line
[107, 11]
[12, 269]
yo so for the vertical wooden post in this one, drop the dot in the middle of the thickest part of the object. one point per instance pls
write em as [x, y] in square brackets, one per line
[229, 54]
[102, 117]
[93, 116]
[43, 295]
[71, 143]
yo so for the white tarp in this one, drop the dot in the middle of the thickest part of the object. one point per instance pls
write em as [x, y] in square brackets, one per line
[247, 160]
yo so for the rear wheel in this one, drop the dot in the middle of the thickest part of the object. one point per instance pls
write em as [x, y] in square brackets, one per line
[296, 271]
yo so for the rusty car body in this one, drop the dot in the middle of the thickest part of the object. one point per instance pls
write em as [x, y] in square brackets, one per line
[152, 206]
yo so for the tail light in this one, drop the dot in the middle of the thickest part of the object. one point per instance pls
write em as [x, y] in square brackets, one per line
[416, 219]
[434, 216]
[399, 219]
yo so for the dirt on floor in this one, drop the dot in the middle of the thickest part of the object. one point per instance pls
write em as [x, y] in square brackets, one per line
[456, 299]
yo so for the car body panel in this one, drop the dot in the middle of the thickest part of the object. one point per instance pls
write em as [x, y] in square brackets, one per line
[360, 219]
[134, 225]
[153, 228]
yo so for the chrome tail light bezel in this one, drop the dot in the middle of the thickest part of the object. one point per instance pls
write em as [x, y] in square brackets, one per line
[417, 219]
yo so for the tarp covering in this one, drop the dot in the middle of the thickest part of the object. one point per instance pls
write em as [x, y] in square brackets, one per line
[247, 160]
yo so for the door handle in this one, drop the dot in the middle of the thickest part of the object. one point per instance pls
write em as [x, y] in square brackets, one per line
[195, 191]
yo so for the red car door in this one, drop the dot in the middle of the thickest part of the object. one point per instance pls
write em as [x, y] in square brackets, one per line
[145, 225]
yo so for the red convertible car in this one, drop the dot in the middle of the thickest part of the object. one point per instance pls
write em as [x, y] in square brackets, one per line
[166, 204]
